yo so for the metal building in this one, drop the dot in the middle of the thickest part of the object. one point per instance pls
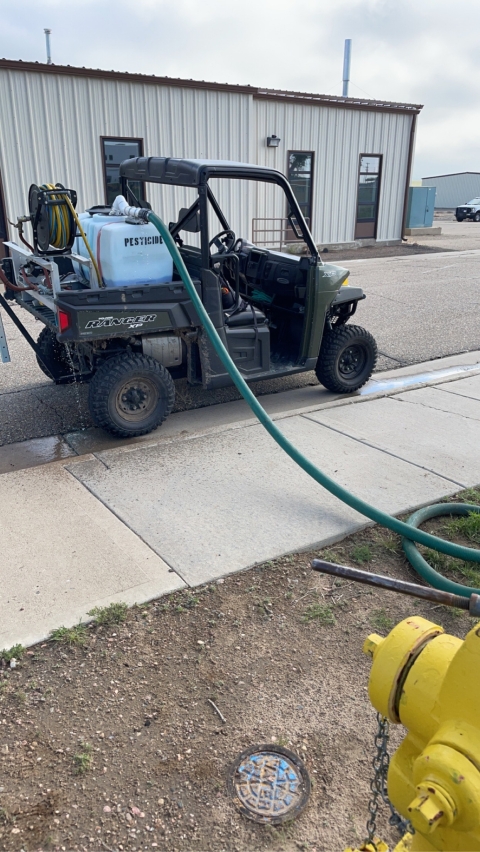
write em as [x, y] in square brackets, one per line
[455, 189]
[349, 160]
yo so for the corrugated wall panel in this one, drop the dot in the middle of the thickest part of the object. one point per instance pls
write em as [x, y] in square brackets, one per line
[454, 190]
[338, 137]
[52, 124]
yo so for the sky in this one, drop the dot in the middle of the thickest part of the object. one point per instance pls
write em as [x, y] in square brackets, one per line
[410, 51]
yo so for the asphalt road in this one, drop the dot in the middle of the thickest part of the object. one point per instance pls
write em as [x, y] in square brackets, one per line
[418, 308]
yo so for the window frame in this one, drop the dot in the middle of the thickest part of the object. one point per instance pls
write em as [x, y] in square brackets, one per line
[104, 139]
[312, 168]
[378, 174]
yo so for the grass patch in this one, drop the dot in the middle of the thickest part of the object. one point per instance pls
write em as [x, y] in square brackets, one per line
[447, 565]
[83, 760]
[381, 621]
[70, 635]
[319, 612]
[361, 553]
[16, 652]
[470, 495]
[467, 526]
[115, 613]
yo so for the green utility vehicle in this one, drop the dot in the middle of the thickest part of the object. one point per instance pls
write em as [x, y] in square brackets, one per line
[122, 318]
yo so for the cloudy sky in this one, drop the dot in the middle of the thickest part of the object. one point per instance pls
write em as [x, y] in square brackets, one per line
[416, 51]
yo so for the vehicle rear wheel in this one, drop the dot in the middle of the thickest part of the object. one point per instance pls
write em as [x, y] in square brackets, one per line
[55, 364]
[347, 358]
[130, 395]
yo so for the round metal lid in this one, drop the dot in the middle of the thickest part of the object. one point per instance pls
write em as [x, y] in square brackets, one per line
[269, 784]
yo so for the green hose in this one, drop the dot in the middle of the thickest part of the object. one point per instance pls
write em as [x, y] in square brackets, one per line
[376, 515]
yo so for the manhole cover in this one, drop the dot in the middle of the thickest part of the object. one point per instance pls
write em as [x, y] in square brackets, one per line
[268, 783]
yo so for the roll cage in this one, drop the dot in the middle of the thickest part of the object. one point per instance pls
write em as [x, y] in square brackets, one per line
[197, 173]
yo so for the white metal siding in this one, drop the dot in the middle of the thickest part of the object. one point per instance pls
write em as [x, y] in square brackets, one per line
[454, 190]
[51, 126]
[338, 137]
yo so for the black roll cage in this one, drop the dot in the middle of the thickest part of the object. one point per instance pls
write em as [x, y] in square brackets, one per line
[197, 173]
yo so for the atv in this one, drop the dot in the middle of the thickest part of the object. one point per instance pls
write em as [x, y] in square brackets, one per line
[121, 318]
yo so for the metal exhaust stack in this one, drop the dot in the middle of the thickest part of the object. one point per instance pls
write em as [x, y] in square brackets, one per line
[47, 39]
[346, 66]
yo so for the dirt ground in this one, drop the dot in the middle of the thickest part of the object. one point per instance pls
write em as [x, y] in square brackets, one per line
[108, 739]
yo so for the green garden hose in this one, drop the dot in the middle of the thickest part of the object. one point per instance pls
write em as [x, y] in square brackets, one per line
[408, 531]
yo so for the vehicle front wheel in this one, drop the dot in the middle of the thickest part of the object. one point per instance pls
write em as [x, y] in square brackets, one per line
[476, 218]
[130, 395]
[459, 218]
[347, 358]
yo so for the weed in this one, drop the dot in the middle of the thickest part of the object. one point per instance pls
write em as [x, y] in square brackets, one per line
[21, 697]
[70, 635]
[467, 526]
[446, 565]
[361, 553]
[14, 653]
[83, 760]
[388, 541]
[470, 495]
[282, 741]
[329, 556]
[115, 613]
[319, 612]
[381, 620]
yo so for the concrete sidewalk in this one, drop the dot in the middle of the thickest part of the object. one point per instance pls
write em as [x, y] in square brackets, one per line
[212, 493]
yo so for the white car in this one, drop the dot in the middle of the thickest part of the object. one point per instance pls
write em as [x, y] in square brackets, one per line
[470, 210]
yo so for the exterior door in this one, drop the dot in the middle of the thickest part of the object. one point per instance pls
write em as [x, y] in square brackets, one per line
[368, 194]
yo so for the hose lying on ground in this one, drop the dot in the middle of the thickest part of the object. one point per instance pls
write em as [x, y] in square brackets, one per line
[408, 532]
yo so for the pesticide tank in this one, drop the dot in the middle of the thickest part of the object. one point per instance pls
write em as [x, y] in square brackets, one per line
[127, 254]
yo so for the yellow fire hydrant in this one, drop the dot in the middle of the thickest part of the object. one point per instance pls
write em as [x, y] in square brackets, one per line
[430, 682]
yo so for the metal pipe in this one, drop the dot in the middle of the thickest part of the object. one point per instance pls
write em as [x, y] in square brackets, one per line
[47, 39]
[346, 66]
[425, 592]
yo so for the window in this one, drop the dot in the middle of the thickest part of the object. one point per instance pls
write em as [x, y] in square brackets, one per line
[368, 193]
[114, 152]
[300, 171]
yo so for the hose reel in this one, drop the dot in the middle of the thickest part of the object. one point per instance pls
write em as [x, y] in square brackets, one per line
[52, 215]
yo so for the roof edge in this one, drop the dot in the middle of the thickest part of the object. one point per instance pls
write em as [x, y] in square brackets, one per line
[449, 174]
[260, 93]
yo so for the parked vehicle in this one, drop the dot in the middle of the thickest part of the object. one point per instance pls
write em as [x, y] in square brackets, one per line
[470, 210]
[123, 319]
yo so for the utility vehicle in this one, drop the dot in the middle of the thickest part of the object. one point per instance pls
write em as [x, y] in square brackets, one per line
[126, 323]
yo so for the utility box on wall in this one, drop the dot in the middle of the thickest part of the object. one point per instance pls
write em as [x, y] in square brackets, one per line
[421, 206]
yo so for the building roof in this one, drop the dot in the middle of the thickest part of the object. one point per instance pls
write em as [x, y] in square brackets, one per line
[257, 92]
[452, 174]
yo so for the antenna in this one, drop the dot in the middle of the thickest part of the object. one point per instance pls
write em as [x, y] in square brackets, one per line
[47, 39]
[346, 66]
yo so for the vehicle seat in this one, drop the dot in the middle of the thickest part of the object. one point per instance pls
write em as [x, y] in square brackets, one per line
[247, 315]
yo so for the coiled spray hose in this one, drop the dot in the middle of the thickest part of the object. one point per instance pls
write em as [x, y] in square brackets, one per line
[60, 224]
[408, 531]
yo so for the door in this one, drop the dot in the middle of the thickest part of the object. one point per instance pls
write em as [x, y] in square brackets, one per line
[367, 196]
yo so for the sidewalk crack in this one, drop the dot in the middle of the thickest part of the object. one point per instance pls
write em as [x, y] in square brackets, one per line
[383, 450]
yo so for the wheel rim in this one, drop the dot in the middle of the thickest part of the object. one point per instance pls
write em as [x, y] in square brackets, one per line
[352, 361]
[136, 399]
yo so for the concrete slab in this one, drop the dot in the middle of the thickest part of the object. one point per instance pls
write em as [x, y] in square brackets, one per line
[439, 398]
[441, 442]
[465, 387]
[218, 504]
[65, 553]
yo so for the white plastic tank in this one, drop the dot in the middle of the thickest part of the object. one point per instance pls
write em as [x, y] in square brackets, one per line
[127, 254]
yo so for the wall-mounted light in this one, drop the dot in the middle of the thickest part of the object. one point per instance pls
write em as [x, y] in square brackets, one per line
[273, 141]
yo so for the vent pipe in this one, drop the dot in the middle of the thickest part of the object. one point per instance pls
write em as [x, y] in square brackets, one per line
[346, 66]
[47, 39]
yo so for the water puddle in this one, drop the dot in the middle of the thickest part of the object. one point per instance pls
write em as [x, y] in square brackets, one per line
[31, 453]
[402, 382]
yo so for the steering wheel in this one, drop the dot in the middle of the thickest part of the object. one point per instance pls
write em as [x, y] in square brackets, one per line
[224, 242]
